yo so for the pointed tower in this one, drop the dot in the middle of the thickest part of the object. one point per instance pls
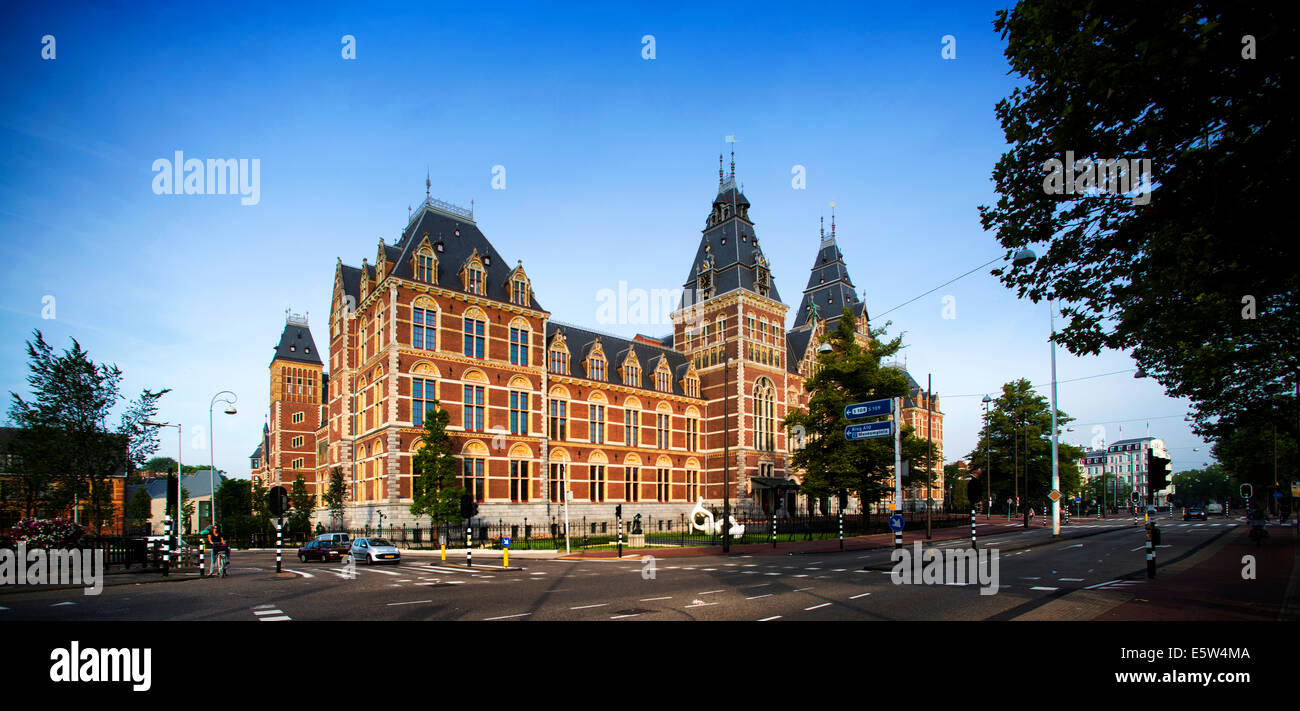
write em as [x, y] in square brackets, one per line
[731, 324]
[296, 398]
[830, 289]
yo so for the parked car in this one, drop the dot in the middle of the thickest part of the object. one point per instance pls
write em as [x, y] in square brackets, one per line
[1192, 512]
[1214, 508]
[375, 550]
[323, 551]
[341, 539]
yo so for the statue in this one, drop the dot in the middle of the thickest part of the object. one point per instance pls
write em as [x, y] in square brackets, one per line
[708, 525]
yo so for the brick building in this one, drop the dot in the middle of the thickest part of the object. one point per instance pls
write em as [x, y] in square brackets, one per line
[653, 423]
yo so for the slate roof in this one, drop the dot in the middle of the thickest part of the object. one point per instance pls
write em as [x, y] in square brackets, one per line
[735, 250]
[829, 287]
[460, 237]
[579, 341]
[796, 345]
[296, 345]
[197, 484]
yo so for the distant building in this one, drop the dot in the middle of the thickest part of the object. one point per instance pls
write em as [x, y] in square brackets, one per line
[196, 485]
[1125, 462]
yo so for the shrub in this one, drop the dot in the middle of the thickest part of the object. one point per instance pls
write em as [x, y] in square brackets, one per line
[48, 532]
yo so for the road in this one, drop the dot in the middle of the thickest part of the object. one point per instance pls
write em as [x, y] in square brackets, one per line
[1076, 578]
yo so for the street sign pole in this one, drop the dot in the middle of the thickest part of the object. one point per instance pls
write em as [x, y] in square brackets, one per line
[898, 457]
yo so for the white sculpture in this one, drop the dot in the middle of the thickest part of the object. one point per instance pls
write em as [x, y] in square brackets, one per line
[708, 525]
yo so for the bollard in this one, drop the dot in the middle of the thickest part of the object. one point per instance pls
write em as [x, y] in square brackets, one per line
[774, 530]
[202, 549]
[469, 543]
[620, 537]
[279, 526]
[972, 529]
[1151, 551]
[898, 539]
[167, 546]
[841, 530]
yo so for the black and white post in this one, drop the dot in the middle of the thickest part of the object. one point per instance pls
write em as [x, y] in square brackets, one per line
[774, 530]
[973, 542]
[279, 530]
[469, 547]
[841, 529]
[167, 545]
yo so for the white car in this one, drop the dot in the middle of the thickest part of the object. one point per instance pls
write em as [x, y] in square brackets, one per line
[375, 550]
[1214, 508]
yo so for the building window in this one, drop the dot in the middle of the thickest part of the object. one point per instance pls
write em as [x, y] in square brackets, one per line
[765, 416]
[597, 424]
[518, 412]
[661, 485]
[424, 268]
[692, 485]
[597, 483]
[558, 421]
[297, 417]
[519, 292]
[474, 480]
[473, 338]
[473, 408]
[634, 484]
[559, 361]
[518, 346]
[597, 368]
[424, 324]
[632, 422]
[663, 382]
[661, 430]
[296, 464]
[519, 480]
[632, 376]
[692, 387]
[556, 482]
[692, 433]
[296, 443]
[475, 280]
[765, 469]
[422, 400]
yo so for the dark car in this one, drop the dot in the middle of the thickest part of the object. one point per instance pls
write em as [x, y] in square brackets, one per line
[1192, 512]
[323, 551]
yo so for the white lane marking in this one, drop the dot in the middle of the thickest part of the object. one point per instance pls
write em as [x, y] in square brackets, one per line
[2, 607]
[709, 592]
[444, 569]
[299, 572]
[769, 619]
[263, 607]
[587, 607]
[749, 572]
[61, 604]
[1077, 545]
[1070, 580]
[1036, 587]
[771, 573]
[814, 607]
[619, 617]
[1141, 547]
[802, 589]
[434, 583]
[859, 595]
[812, 568]
[801, 575]
[708, 570]
[755, 597]
[281, 618]
[506, 617]
[700, 603]
[750, 565]
[268, 612]
[413, 602]
[839, 570]
[1029, 577]
[652, 599]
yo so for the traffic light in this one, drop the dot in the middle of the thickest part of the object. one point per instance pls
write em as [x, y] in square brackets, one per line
[1157, 471]
[468, 506]
[618, 511]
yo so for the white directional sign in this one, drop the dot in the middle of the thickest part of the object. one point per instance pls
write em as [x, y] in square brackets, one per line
[868, 430]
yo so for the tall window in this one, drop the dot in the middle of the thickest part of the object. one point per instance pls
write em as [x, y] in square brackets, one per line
[692, 433]
[422, 400]
[632, 375]
[661, 430]
[663, 382]
[475, 281]
[597, 424]
[692, 387]
[473, 408]
[556, 482]
[424, 328]
[518, 412]
[559, 361]
[692, 485]
[519, 480]
[474, 480]
[558, 421]
[518, 346]
[661, 485]
[597, 369]
[597, 482]
[473, 337]
[424, 268]
[632, 421]
[765, 416]
[633, 483]
[519, 291]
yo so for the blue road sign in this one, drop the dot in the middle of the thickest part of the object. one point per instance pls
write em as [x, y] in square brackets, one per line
[1077, 499]
[868, 430]
[896, 522]
[505, 541]
[868, 409]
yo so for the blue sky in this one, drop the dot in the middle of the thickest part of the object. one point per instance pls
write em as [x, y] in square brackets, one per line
[610, 166]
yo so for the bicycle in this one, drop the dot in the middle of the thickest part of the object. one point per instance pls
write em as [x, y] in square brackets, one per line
[221, 562]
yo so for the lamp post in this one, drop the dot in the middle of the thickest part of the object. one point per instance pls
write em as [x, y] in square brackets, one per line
[1025, 257]
[212, 448]
[179, 469]
[988, 459]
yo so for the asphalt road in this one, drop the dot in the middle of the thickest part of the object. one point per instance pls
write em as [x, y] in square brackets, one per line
[854, 585]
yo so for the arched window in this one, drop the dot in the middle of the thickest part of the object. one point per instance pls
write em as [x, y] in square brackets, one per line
[557, 480]
[424, 323]
[475, 327]
[520, 336]
[520, 481]
[764, 415]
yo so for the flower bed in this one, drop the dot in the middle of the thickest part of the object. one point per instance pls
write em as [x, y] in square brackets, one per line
[48, 532]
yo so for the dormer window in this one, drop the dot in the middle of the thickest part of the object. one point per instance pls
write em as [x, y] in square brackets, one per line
[631, 374]
[475, 281]
[559, 361]
[663, 381]
[596, 368]
[424, 267]
[692, 387]
[438, 247]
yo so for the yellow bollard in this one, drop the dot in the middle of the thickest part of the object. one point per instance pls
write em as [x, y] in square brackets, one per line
[505, 563]
[444, 552]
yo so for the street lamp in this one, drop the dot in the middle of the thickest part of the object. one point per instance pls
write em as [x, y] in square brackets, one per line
[179, 430]
[988, 459]
[212, 448]
[1025, 257]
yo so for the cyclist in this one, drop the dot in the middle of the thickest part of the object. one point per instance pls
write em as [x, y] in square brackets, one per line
[218, 545]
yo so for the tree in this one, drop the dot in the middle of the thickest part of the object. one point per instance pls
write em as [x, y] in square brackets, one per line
[72, 398]
[160, 465]
[303, 506]
[1201, 486]
[187, 510]
[1111, 490]
[1259, 451]
[140, 509]
[850, 373]
[957, 479]
[335, 495]
[435, 492]
[1200, 282]
[1018, 433]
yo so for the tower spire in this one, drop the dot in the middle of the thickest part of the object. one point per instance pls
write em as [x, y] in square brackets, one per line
[427, 183]
[733, 162]
[719, 170]
[832, 219]
[822, 221]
